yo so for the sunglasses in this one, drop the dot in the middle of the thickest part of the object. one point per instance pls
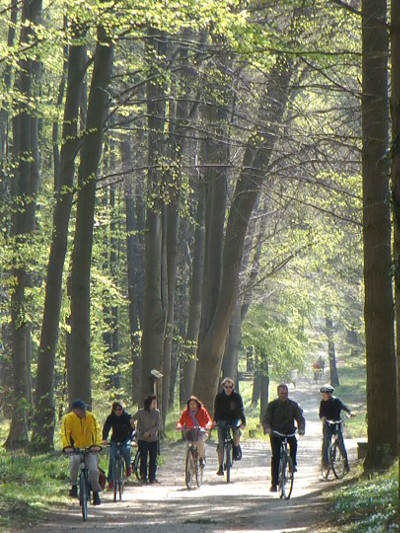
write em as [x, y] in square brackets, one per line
[228, 387]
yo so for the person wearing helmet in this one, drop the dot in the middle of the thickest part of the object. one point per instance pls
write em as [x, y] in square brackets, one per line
[330, 409]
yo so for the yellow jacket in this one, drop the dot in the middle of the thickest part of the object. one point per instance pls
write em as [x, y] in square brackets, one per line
[80, 432]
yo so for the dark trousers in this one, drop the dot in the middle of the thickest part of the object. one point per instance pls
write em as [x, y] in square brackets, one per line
[328, 431]
[276, 454]
[148, 454]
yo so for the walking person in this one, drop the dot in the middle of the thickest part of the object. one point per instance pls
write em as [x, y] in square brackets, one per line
[148, 425]
[228, 411]
[281, 415]
[330, 408]
[120, 421]
[80, 429]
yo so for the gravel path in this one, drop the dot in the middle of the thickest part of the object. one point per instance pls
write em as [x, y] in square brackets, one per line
[243, 505]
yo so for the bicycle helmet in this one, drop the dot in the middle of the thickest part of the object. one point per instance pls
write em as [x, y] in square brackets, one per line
[326, 388]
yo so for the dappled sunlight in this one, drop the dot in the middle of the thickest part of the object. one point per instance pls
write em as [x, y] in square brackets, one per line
[244, 505]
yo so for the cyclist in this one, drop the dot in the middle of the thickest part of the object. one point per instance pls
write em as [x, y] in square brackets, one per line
[228, 411]
[80, 429]
[196, 420]
[148, 425]
[330, 409]
[280, 416]
[122, 425]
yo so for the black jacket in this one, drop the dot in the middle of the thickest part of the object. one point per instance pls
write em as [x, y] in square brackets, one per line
[331, 408]
[280, 416]
[121, 427]
[229, 408]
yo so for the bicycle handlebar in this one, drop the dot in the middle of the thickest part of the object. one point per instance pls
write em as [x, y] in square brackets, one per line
[283, 434]
[70, 450]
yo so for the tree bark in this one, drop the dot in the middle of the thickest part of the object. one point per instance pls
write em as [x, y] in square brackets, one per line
[44, 416]
[24, 192]
[155, 307]
[378, 311]
[79, 364]
[395, 113]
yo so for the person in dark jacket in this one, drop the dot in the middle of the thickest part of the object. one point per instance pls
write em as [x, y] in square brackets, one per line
[281, 415]
[122, 425]
[330, 408]
[228, 411]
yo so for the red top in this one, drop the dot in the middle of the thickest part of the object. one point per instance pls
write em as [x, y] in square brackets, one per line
[202, 416]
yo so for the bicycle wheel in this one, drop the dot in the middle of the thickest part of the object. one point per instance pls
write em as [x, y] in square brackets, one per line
[121, 476]
[228, 460]
[198, 468]
[286, 476]
[190, 472]
[337, 461]
[136, 465]
[83, 494]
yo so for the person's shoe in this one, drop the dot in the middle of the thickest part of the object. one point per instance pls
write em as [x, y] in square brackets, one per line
[110, 485]
[143, 480]
[152, 481]
[347, 469]
[96, 498]
[294, 468]
[128, 471]
[202, 462]
[237, 453]
[220, 471]
[273, 488]
[73, 491]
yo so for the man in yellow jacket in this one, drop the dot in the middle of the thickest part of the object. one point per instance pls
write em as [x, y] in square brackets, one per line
[80, 429]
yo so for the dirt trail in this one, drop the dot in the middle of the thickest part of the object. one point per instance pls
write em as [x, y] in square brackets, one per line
[243, 505]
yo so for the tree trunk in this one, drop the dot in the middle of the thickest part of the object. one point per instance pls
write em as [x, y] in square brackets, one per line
[378, 312]
[395, 112]
[44, 416]
[24, 192]
[219, 301]
[154, 308]
[78, 364]
[330, 333]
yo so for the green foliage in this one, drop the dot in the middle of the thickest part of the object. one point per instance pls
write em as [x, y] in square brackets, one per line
[368, 505]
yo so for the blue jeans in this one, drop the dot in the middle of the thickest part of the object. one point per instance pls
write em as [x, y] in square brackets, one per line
[328, 431]
[148, 450]
[223, 426]
[126, 453]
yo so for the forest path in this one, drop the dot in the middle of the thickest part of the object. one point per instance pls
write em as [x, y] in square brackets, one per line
[243, 505]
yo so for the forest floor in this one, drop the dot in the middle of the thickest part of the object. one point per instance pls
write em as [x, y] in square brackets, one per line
[245, 504]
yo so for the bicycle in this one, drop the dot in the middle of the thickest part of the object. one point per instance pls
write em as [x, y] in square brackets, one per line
[286, 467]
[84, 481]
[118, 471]
[193, 467]
[336, 454]
[228, 450]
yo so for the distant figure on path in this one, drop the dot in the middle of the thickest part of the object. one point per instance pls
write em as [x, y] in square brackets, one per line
[280, 416]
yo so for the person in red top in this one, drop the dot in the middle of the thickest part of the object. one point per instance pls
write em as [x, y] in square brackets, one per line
[196, 420]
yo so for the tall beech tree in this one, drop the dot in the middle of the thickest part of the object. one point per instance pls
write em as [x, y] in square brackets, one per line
[378, 311]
[79, 361]
[24, 189]
[44, 416]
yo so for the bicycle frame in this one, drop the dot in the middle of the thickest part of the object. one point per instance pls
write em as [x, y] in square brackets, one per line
[118, 471]
[83, 475]
[335, 450]
[286, 466]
